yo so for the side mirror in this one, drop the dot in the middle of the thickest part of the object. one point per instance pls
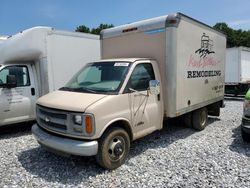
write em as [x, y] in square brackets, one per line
[11, 81]
[154, 87]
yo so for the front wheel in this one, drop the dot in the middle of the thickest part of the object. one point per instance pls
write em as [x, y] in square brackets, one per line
[113, 148]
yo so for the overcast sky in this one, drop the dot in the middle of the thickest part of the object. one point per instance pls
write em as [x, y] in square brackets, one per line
[17, 15]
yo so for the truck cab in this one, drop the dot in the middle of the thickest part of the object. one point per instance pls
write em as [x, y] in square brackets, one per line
[18, 93]
[110, 96]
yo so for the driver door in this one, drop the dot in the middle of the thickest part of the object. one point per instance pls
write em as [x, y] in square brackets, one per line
[145, 108]
[17, 103]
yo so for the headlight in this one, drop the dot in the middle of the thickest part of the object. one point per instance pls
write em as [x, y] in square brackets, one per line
[246, 108]
[77, 119]
[84, 123]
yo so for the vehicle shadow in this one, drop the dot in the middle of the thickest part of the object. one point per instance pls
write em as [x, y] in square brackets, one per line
[172, 131]
[238, 145]
[15, 130]
[74, 170]
[59, 169]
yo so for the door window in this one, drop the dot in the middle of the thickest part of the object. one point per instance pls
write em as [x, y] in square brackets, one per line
[141, 76]
[21, 73]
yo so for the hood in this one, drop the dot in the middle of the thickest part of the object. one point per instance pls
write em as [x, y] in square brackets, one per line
[69, 101]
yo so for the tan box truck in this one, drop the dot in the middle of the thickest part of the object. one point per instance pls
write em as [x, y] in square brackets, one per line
[159, 68]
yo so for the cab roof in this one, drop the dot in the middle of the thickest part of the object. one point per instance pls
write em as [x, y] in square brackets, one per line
[131, 60]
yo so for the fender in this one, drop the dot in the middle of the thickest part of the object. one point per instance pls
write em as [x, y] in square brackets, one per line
[113, 123]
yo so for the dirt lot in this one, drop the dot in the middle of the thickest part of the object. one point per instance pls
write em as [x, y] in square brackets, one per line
[176, 156]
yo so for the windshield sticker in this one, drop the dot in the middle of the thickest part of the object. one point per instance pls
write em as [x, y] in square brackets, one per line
[121, 64]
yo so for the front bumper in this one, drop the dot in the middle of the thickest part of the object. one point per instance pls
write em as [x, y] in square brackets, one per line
[65, 145]
[245, 125]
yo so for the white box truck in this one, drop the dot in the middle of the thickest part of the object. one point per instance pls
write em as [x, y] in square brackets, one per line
[237, 70]
[3, 38]
[167, 67]
[37, 61]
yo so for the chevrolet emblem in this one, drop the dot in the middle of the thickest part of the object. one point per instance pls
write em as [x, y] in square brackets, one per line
[47, 119]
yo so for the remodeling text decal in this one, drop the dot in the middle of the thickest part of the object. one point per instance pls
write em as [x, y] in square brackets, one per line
[203, 58]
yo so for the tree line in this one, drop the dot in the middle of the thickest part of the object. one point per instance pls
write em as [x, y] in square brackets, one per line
[96, 31]
[235, 37]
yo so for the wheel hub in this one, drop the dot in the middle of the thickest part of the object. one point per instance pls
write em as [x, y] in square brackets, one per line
[116, 148]
[203, 118]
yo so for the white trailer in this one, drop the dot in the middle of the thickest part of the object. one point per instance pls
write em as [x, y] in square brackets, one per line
[237, 70]
[159, 68]
[42, 60]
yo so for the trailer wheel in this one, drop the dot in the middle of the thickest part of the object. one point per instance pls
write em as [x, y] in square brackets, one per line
[113, 148]
[200, 119]
[245, 136]
[236, 91]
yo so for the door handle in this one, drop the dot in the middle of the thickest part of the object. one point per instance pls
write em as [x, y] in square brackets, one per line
[33, 91]
[158, 97]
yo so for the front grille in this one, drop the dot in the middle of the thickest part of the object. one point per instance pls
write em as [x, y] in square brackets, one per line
[54, 115]
[60, 122]
[247, 116]
[52, 119]
[54, 125]
[245, 121]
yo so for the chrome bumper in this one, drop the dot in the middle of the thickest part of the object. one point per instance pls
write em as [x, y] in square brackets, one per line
[65, 145]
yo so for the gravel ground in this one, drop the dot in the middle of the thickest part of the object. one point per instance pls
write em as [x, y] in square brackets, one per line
[174, 157]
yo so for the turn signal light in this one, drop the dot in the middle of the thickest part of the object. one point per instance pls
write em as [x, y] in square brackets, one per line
[88, 124]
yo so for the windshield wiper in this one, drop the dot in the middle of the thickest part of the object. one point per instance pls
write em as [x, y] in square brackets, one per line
[85, 89]
[78, 89]
[66, 89]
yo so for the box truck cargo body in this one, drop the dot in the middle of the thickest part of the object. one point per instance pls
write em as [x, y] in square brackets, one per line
[159, 68]
[41, 60]
[190, 56]
[237, 70]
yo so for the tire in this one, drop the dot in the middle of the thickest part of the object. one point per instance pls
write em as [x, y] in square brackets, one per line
[188, 120]
[113, 148]
[236, 91]
[200, 119]
[245, 136]
[214, 109]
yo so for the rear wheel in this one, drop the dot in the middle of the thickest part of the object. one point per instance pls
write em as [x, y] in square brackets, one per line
[214, 109]
[199, 119]
[188, 119]
[245, 136]
[113, 148]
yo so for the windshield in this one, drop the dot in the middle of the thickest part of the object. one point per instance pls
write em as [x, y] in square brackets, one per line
[100, 77]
